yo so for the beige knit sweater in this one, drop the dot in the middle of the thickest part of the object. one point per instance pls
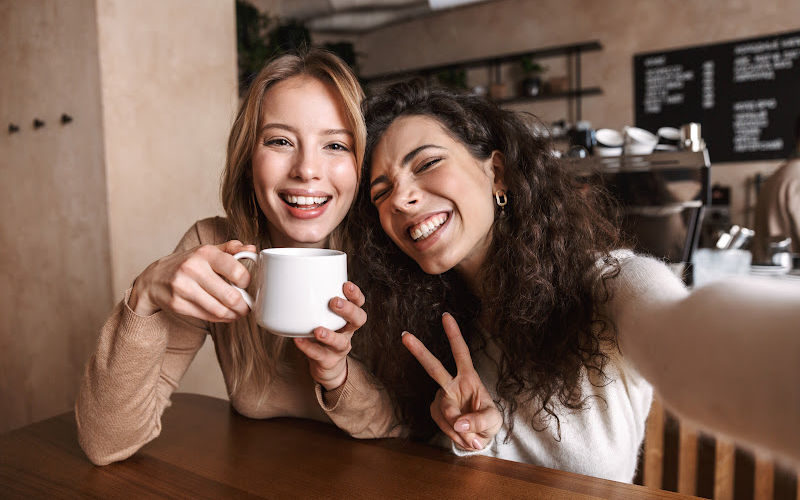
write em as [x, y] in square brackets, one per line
[139, 362]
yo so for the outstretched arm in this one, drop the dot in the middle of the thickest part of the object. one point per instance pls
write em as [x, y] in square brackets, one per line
[726, 355]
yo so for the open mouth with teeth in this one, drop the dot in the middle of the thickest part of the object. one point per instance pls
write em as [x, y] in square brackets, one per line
[427, 227]
[305, 202]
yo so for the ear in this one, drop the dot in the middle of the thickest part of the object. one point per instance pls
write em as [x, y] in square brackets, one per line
[497, 164]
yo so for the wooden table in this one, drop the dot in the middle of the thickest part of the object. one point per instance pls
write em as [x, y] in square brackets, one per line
[206, 450]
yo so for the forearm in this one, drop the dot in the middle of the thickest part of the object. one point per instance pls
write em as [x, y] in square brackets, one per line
[127, 383]
[361, 407]
[726, 356]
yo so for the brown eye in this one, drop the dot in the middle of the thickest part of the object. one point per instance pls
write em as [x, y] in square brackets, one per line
[337, 146]
[277, 142]
[380, 194]
[428, 164]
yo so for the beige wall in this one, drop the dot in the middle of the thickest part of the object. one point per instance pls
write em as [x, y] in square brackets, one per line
[168, 91]
[55, 275]
[623, 27]
[151, 85]
[169, 80]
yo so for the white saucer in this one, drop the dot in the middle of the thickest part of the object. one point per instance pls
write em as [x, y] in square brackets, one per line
[767, 270]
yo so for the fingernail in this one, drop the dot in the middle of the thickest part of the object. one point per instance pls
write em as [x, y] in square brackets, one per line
[445, 313]
[477, 444]
[323, 334]
[461, 426]
[337, 303]
[402, 334]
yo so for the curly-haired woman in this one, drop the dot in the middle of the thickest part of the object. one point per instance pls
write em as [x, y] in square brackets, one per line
[291, 174]
[462, 213]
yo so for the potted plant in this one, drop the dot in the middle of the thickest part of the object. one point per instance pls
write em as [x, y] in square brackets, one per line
[453, 78]
[531, 81]
[252, 48]
[261, 37]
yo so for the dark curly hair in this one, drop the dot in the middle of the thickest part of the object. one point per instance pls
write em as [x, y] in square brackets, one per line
[543, 287]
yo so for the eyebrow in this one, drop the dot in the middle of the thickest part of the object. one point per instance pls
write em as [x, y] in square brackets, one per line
[330, 131]
[406, 160]
[337, 131]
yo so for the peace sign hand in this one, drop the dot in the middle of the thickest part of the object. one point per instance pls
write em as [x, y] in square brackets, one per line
[463, 408]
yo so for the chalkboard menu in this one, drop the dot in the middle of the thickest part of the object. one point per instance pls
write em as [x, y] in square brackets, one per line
[745, 94]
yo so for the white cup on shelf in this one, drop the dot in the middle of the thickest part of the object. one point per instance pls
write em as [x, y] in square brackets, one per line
[711, 264]
[609, 142]
[639, 141]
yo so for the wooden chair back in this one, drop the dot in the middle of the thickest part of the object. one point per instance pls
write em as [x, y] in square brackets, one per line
[687, 458]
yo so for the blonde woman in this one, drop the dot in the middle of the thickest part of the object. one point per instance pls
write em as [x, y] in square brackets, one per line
[291, 173]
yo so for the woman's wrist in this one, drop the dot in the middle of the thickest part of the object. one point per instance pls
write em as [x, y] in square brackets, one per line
[139, 302]
[337, 381]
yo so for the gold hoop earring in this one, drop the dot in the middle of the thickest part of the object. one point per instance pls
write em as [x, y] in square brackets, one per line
[501, 199]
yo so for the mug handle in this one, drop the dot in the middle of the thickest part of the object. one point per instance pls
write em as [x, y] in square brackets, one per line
[246, 296]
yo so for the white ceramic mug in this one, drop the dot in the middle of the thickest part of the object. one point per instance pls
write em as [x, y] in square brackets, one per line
[294, 286]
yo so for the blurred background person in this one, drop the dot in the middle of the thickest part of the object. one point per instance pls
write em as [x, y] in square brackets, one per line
[778, 206]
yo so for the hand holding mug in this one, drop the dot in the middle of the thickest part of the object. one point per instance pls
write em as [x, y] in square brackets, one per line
[463, 408]
[304, 293]
[194, 283]
[327, 353]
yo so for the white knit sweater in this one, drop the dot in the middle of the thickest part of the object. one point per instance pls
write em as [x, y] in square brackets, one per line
[726, 356]
[601, 440]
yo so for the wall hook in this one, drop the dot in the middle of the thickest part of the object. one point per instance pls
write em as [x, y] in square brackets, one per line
[12, 128]
[65, 118]
[37, 123]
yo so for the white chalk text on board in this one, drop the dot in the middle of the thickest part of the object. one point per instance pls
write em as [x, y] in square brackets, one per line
[745, 94]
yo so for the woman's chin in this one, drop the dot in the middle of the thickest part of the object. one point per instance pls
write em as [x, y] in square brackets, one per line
[434, 267]
[304, 240]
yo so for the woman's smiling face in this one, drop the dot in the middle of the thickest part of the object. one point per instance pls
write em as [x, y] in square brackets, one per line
[434, 198]
[304, 169]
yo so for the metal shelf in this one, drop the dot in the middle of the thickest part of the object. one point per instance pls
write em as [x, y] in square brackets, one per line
[555, 95]
[572, 52]
[487, 61]
[635, 163]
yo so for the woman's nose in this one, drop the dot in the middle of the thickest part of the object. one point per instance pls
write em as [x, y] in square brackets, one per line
[307, 166]
[404, 198]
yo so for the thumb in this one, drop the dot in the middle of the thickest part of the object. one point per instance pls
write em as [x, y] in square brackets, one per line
[485, 423]
[235, 246]
[231, 247]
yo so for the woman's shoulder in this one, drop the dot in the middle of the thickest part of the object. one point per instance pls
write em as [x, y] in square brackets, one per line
[214, 230]
[208, 231]
[641, 277]
[639, 270]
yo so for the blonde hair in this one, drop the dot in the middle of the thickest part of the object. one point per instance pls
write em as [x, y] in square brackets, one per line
[255, 354]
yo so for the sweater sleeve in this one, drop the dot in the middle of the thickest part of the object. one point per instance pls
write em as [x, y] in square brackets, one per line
[726, 355]
[361, 406]
[137, 364]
